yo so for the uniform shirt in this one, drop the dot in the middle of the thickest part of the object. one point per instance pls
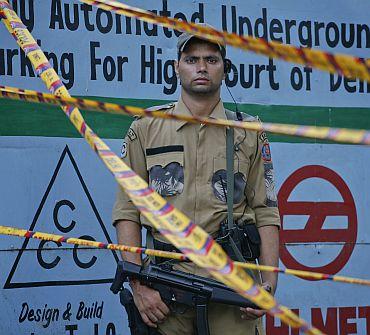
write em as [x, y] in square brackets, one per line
[186, 164]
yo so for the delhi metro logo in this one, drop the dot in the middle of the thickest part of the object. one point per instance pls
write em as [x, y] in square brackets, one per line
[66, 208]
[316, 235]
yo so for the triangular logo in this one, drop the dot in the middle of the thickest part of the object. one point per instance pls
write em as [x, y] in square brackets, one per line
[66, 208]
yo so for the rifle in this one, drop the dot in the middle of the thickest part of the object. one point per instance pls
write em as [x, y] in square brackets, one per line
[177, 287]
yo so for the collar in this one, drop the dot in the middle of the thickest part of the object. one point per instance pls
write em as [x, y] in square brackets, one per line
[180, 108]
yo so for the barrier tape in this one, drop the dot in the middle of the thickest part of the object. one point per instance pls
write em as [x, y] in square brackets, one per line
[341, 135]
[174, 225]
[349, 66]
[172, 255]
[78, 241]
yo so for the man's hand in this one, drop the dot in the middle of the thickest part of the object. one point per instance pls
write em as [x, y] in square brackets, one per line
[149, 303]
[249, 313]
[252, 314]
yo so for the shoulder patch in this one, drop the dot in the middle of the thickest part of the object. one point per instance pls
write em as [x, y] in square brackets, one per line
[266, 152]
[131, 135]
[124, 150]
[262, 134]
[263, 137]
[161, 107]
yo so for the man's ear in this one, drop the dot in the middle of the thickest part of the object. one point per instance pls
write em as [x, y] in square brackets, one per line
[176, 64]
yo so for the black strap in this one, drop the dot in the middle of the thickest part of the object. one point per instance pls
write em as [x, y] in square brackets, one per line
[230, 183]
[202, 315]
[230, 175]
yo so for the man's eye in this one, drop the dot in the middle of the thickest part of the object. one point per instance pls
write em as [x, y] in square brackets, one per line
[190, 60]
[212, 60]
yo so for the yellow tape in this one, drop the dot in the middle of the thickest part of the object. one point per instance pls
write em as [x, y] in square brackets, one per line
[341, 135]
[173, 255]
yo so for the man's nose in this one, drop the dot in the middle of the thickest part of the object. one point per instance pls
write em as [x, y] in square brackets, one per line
[202, 65]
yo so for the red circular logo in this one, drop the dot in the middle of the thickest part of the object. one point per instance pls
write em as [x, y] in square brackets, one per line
[313, 232]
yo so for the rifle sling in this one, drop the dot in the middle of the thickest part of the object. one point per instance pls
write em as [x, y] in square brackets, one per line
[230, 183]
[230, 188]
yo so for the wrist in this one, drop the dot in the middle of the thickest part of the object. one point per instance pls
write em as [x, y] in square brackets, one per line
[134, 283]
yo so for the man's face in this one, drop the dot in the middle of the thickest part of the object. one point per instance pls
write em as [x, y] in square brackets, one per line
[200, 68]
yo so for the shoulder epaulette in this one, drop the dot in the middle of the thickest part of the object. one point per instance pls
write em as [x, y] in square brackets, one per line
[154, 109]
[161, 107]
[231, 115]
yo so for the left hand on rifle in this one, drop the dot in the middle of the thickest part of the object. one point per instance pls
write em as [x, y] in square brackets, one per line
[252, 314]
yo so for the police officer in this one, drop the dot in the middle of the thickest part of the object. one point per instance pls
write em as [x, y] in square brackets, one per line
[186, 164]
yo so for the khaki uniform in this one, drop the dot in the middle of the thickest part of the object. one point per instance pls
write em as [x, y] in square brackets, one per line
[186, 164]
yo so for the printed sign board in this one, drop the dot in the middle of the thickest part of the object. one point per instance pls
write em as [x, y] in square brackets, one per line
[49, 287]
[326, 231]
[58, 185]
[62, 188]
[318, 214]
[99, 53]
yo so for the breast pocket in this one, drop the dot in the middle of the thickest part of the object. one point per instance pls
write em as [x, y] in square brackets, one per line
[219, 179]
[166, 173]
